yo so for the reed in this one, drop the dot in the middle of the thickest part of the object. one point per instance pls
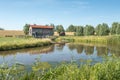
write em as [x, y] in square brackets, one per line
[106, 70]
[115, 40]
[92, 39]
[18, 43]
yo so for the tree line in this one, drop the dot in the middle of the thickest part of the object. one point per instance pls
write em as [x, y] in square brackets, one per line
[87, 30]
[100, 30]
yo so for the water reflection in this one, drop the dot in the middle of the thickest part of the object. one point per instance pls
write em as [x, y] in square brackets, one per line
[102, 51]
[89, 50]
[38, 50]
[72, 46]
[60, 52]
[115, 49]
[60, 46]
[79, 48]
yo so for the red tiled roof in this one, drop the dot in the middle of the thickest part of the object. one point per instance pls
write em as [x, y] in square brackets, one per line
[40, 26]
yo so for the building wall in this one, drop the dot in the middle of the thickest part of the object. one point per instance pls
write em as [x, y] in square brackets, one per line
[30, 31]
[41, 32]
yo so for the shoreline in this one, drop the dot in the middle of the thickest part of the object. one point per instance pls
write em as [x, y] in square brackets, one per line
[18, 43]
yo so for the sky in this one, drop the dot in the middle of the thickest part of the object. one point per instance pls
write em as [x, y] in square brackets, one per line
[14, 14]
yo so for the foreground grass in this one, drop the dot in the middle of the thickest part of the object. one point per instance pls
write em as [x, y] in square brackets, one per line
[107, 70]
[18, 43]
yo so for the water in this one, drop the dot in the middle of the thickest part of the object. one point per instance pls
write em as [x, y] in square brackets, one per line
[59, 53]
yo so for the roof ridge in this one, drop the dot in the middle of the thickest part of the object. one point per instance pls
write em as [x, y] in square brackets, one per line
[40, 26]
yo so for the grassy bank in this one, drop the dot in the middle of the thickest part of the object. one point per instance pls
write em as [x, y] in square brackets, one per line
[91, 39]
[114, 40]
[107, 70]
[18, 43]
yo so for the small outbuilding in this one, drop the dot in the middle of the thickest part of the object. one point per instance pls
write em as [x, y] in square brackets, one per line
[41, 31]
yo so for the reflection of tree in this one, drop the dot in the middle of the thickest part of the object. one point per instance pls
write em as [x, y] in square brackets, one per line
[115, 51]
[60, 46]
[71, 46]
[89, 50]
[79, 48]
[102, 51]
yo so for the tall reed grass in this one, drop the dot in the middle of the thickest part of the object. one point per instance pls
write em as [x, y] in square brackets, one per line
[92, 39]
[107, 70]
[18, 43]
[114, 40]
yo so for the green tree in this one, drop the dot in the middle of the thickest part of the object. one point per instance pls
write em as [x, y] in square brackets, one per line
[118, 29]
[113, 28]
[71, 28]
[59, 29]
[97, 29]
[1, 29]
[79, 31]
[26, 29]
[102, 29]
[88, 30]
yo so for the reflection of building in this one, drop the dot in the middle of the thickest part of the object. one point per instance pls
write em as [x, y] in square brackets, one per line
[40, 30]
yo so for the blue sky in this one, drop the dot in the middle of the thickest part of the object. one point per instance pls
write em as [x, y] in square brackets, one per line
[14, 14]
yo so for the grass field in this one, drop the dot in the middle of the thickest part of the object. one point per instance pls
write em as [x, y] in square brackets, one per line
[18, 43]
[11, 33]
